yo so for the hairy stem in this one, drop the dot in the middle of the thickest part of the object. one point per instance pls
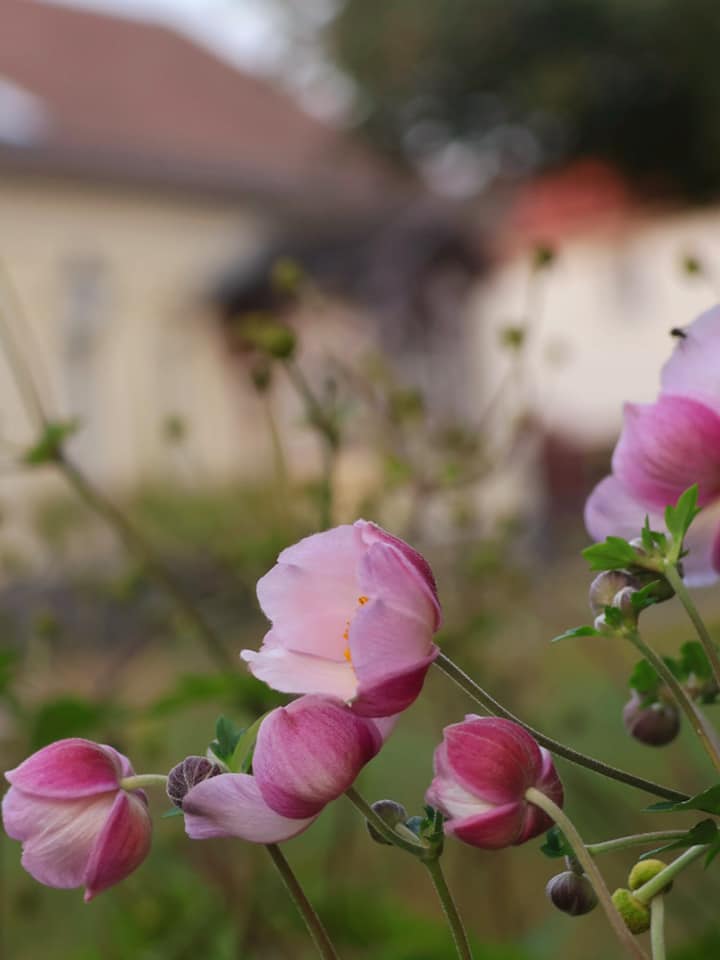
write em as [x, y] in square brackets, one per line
[462, 945]
[305, 908]
[539, 799]
[685, 598]
[635, 840]
[492, 706]
[697, 721]
[144, 780]
[406, 841]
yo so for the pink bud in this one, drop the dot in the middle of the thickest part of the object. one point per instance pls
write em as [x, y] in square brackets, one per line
[353, 612]
[483, 768]
[310, 752]
[78, 827]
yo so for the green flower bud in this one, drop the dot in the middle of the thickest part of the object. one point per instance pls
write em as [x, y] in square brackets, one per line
[391, 813]
[635, 914]
[572, 893]
[645, 870]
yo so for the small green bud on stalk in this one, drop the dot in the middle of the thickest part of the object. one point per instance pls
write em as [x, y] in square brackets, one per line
[571, 893]
[644, 871]
[635, 914]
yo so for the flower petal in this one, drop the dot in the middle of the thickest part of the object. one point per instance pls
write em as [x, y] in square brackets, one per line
[58, 835]
[492, 758]
[667, 446]
[612, 511]
[310, 752]
[231, 805]
[497, 828]
[121, 846]
[389, 695]
[291, 672]
[692, 370]
[68, 769]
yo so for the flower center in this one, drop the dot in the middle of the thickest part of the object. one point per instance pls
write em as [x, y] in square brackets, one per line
[346, 632]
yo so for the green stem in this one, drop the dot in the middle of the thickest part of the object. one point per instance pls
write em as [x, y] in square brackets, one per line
[657, 927]
[636, 840]
[539, 799]
[137, 544]
[407, 841]
[685, 597]
[492, 706]
[305, 908]
[697, 721]
[450, 910]
[144, 780]
[648, 890]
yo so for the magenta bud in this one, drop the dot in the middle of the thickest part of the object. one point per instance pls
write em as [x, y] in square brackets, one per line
[392, 813]
[606, 586]
[655, 725]
[572, 893]
[188, 774]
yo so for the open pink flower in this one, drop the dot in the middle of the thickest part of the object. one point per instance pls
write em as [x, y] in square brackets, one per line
[667, 446]
[482, 769]
[353, 614]
[306, 755]
[77, 825]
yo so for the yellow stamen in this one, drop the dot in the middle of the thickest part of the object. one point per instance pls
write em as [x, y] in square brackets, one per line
[363, 600]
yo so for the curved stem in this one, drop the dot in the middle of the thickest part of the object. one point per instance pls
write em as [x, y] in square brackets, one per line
[144, 780]
[539, 799]
[489, 703]
[657, 927]
[462, 945]
[648, 890]
[137, 544]
[697, 721]
[685, 597]
[407, 842]
[305, 908]
[635, 840]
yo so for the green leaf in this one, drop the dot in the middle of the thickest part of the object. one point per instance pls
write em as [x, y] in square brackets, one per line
[645, 597]
[613, 617]
[694, 660]
[48, 449]
[585, 631]
[708, 801]
[679, 517]
[240, 760]
[613, 554]
[227, 737]
[644, 681]
[556, 845]
[705, 832]
[172, 812]
[712, 852]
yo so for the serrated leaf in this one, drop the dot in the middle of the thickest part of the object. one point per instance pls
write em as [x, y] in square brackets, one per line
[227, 737]
[679, 517]
[644, 680]
[613, 617]
[708, 801]
[586, 631]
[694, 660]
[612, 554]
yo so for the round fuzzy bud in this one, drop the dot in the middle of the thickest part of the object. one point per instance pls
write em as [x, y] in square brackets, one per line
[654, 725]
[606, 586]
[635, 914]
[572, 893]
[645, 870]
[391, 813]
[189, 773]
[623, 601]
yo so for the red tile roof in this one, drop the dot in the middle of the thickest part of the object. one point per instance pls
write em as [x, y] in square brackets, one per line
[135, 98]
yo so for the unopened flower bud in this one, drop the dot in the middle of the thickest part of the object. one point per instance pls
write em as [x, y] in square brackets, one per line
[623, 601]
[572, 893]
[645, 870]
[606, 586]
[635, 914]
[391, 813]
[189, 773]
[654, 725]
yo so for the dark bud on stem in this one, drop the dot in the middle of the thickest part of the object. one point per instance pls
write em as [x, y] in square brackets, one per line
[654, 725]
[572, 893]
[188, 774]
[391, 813]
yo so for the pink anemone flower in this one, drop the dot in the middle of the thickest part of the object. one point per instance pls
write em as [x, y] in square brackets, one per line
[77, 825]
[353, 614]
[666, 447]
[482, 769]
